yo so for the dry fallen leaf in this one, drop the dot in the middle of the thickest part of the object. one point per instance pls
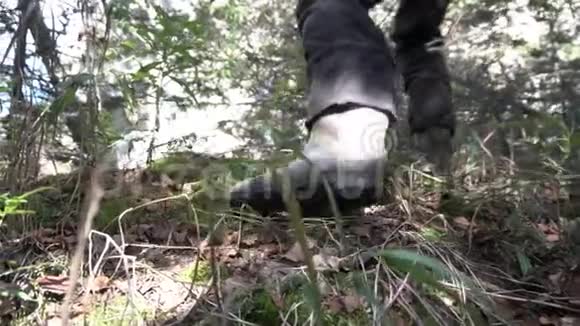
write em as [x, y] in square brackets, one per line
[295, 254]
[352, 303]
[462, 222]
[334, 304]
[552, 237]
[99, 284]
[7, 306]
[572, 287]
[70, 239]
[46, 235]
[54, 321]
[146, 287]
[269, 249]
[154, 254]
[266, 237]
[325, 262]
[569, 321]
[54, 284]
[543, 227]
[180, 237]
[348, 303]
[203, 245]
[166, 181]
[545, 320]
[276, 298]
[230, 252]
[143, 231]
[362, 230]
[235, 285]
[400, 321]
[555, 280]
[231, 238]
[550, 228]
[311, 243]
[217, 237]
[47, 232]
[121, 286]
[189, 187]
[161, 233]
[506, 308]
[249, 240]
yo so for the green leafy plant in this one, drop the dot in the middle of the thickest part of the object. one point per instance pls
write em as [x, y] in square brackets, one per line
[423, 269]
[12, 205]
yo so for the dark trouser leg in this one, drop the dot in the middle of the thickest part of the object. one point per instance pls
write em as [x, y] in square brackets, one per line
[418, 53]
[350, 102]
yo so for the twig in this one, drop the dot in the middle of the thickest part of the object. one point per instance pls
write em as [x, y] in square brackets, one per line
[24, 20]
[470, 230]
[336, 211]
[124, 259]
[154, 246]
[93, 199]
[395, 296]
[539, 302]
[94, 270]
[215, 279]
[292, 308]
[294, 211]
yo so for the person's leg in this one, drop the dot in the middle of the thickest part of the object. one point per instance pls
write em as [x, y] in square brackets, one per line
[419, 54]
[351, 77]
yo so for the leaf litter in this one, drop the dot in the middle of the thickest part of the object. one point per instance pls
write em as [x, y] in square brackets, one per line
[253, 257]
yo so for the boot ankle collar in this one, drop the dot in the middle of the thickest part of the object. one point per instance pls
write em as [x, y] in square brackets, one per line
[344, 107]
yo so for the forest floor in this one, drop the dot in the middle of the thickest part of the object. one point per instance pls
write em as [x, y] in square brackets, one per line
[487, 257]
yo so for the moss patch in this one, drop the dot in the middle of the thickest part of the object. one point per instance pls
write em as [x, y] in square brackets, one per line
[119, 312]
[201, 275]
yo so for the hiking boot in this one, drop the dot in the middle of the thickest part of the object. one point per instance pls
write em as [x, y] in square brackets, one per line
[345, 150]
